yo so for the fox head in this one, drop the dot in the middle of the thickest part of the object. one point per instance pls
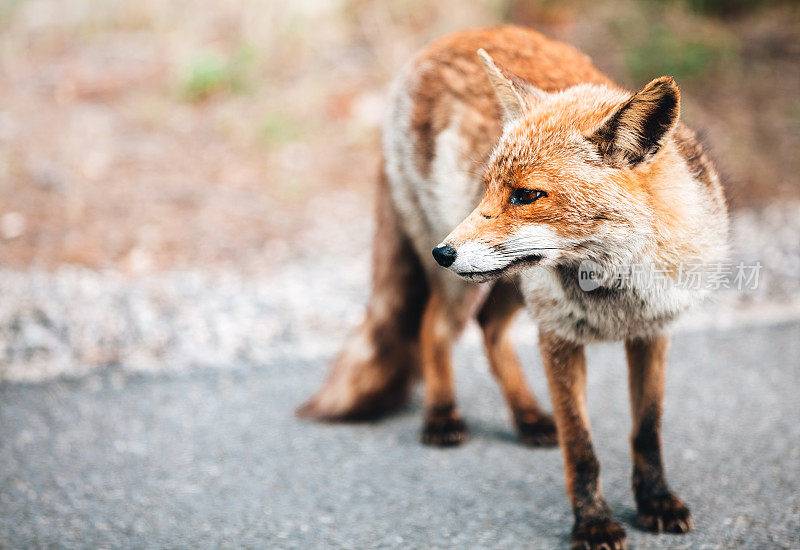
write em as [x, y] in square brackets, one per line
[568, 180]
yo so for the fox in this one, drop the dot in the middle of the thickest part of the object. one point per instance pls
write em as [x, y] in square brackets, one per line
[509, 164]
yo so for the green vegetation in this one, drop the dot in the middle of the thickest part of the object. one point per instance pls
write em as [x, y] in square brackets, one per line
[209, 73]
[663, 52]
[279, 128]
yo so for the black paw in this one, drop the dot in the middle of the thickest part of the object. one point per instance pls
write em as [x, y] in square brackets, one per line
[537, 431]
[664, 514]
[598, 534]
[443, 428]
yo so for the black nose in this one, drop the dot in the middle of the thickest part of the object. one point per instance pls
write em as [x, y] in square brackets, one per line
[444, 255]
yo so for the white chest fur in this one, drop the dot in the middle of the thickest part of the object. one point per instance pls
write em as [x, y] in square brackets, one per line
[559, 304]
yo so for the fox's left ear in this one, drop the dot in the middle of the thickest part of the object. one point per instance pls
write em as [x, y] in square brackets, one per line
[514, 94]
[639, 127]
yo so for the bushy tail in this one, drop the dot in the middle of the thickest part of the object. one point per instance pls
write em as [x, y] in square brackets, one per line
[375, 371]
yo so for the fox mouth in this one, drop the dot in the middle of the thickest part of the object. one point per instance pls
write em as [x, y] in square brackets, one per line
[514, 265]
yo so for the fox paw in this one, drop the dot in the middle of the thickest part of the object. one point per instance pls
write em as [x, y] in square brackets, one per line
[443, 428]
[536, 431]
[664, 514]
[598, 534]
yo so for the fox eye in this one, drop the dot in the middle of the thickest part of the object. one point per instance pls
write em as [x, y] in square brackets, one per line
[526, 196]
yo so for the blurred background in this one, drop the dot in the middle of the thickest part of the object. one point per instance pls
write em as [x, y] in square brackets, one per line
[168, 147]
[185, 226]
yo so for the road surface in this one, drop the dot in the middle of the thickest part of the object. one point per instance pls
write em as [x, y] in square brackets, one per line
[215, 458]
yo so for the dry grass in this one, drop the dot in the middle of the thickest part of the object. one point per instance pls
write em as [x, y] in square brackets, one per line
[146, 135]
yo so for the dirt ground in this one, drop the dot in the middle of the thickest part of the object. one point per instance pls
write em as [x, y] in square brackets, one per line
[142, 136]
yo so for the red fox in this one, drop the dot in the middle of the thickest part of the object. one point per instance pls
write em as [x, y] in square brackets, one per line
[516, 162]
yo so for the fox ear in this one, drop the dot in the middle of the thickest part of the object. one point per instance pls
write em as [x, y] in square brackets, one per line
[514, 94]
[639, 127]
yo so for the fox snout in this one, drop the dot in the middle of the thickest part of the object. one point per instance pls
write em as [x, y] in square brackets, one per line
[481, 259]
[473, 260]
[467, 252]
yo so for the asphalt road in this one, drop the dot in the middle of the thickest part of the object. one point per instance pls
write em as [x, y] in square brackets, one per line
[215, 458]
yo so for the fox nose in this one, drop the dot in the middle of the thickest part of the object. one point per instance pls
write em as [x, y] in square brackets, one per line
[444, 255]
